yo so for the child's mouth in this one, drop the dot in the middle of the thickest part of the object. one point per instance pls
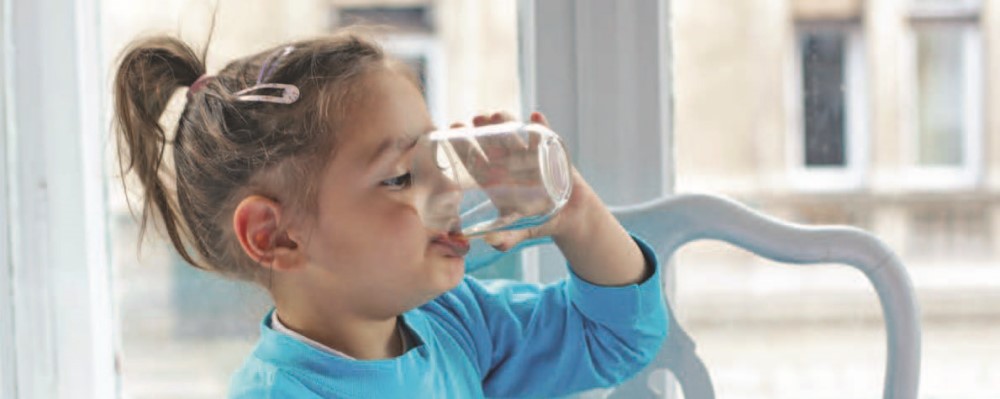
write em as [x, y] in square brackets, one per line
[455, 242]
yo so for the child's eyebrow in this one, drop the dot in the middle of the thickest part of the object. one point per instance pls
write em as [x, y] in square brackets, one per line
[400, 143]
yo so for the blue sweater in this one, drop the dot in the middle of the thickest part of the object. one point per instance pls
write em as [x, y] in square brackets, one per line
[483, 338]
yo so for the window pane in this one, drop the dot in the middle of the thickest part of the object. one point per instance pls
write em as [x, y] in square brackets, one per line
[406, 19]
[940, 95]
[823, 88]
[768, 330]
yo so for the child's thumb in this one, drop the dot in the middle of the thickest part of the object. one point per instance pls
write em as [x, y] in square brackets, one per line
[503, 241]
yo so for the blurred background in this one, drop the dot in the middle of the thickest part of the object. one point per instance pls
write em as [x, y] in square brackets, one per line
[871, 113]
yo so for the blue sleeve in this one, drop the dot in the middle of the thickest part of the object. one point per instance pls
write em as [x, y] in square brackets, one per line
[529, 340]
[259, 380]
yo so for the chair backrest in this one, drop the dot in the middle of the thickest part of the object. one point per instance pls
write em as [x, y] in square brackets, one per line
[669, 223]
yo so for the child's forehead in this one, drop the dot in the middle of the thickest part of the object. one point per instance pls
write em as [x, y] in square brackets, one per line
[391, 112]
[369, 146]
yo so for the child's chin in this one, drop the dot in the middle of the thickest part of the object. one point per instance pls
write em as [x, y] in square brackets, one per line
[452, 269]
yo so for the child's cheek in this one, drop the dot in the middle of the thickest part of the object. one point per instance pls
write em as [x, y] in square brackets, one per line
[405, 218]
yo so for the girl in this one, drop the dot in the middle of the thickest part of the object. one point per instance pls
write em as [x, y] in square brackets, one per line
[289, 169]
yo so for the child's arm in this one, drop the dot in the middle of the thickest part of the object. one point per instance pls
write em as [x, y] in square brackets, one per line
[595, 329]
[597, 247]
[529, 340]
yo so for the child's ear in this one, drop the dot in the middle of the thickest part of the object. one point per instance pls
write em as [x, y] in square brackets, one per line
[256, 222]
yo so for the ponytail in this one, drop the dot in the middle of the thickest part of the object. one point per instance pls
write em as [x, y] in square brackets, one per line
[151, 71]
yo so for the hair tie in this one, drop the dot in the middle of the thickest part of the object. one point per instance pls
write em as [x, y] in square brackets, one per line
[198, 85]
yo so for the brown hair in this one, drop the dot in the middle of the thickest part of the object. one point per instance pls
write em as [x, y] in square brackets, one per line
[224, 149]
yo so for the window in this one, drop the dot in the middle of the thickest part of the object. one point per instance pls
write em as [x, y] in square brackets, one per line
[410, 19]
[823, 79]
[944, 119]
[56, 333]
[829, 143]
[939, 129]
[853, 71]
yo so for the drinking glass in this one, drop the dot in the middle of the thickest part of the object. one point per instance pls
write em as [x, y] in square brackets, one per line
[492, 178]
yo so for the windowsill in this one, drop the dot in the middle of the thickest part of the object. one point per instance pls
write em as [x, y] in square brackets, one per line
[825, 179]
[939, 179]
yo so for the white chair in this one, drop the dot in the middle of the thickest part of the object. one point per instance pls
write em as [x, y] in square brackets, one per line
[669, 223]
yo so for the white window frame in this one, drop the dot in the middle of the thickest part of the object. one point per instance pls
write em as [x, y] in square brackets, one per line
[857, 138]
[58, 329]
[944, 178]
[601, 72]
[8, 364]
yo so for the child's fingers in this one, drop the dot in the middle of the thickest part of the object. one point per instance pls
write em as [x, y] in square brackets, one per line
[497, 240]
[470, 154]
[498, 146]
[502, 116]
[473, 157]
[492, 118]
[480, 120]
[503, 241]
[489, 148]
[534, 141]
[538, 117]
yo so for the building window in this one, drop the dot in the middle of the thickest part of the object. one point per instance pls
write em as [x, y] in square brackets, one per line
[823, 79]
[944, 119]
[940, 99]
[408, 19]
[829, 137]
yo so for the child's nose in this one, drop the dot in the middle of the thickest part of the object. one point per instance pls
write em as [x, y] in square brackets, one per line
[446, 193]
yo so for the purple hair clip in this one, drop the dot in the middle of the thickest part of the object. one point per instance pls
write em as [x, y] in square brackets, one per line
[289, 93]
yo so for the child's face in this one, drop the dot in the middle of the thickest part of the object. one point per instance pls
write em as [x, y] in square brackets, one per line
[369, 237]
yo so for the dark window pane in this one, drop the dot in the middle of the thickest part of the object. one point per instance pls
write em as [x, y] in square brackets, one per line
[823, 79]
[405, 19]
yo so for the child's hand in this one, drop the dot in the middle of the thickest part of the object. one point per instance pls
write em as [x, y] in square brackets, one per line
[581, 198]
[597, 247]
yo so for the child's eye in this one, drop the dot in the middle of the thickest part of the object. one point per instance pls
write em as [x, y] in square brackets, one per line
[399, 182]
